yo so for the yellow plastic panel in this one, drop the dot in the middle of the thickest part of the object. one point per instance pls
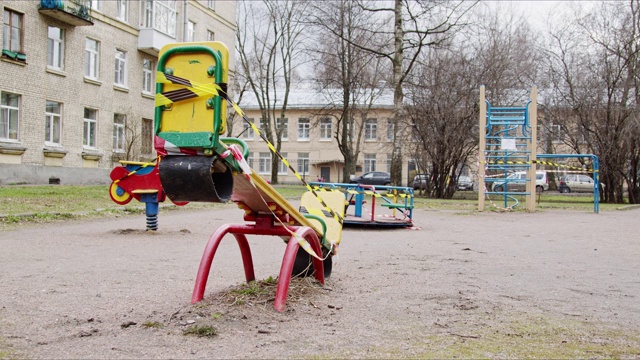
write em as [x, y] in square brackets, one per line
[193, 115]
[335, 200]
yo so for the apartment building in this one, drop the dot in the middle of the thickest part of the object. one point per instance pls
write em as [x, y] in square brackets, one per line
[77, 89]
[308, 141]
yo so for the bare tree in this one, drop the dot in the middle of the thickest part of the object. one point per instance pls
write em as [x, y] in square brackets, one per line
[269, 43]
[595, 76]
[442, 113]
[352, 79]
[496, 49]
[505, 54]
[238, 88]
[415, 26]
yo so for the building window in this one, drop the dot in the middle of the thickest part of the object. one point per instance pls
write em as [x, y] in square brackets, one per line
[119, 122]
[96, 4]
[92, 50]
[250, 159]
[389, 159]
[147, 76]
[191, 31]
[390, 130]
[55, 49]
[247, 131]
[12, 31]
[9, 116]
[123, 10]
[282, 126]
[210, 4]
[121, 68]
[211, 35]
[282, 168]
[303, 163]
[303, 129]
[161, 15]
[147, 136]
[370, 129]
[53, 123]
[558, 133]
[325, 129]
[369, 162]
[90, 127]
[264, 163]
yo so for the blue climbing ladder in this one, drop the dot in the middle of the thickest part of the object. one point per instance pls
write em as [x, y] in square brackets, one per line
[508, 137]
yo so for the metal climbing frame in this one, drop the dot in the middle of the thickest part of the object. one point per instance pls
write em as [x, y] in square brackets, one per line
[595, 163]
[507, 146]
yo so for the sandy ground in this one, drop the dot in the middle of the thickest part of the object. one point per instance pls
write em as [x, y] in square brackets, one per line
[548, 284]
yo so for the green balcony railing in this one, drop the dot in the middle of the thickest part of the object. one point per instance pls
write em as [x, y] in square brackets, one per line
[74, 12]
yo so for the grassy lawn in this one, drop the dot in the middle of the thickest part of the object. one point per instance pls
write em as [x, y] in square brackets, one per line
[50, 202]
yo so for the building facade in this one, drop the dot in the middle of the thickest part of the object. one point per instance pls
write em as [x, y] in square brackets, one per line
[78, 81]
[309, 143]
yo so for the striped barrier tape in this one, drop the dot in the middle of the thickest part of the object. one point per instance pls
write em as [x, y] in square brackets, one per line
[365, 192]
[194, 90]
[142, 166]
[539, 162]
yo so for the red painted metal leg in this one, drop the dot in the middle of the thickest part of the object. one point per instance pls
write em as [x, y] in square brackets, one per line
[205, 262]
[247, 260]
[209, 253]
[287, 265]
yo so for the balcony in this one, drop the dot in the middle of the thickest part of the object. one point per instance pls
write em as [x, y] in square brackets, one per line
[151, 41]
[73, 12]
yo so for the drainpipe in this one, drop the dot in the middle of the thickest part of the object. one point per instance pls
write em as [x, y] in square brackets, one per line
[185, 30]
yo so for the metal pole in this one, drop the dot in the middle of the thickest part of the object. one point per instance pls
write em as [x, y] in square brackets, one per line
[482, 124]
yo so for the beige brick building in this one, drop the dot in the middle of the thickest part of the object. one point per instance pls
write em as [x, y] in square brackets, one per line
[310, 145]
[78, 81]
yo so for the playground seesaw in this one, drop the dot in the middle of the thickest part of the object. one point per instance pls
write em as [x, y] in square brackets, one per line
[196, 164]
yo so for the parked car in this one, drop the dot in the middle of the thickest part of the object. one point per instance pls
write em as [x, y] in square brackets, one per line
[465, 183]
[420, 182]
[373, 178]
[517, 182]
[576, 183]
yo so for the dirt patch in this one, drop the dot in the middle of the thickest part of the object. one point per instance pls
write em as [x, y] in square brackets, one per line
[507, 285]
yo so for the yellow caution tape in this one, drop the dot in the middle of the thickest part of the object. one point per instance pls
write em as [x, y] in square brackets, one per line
[194, 90]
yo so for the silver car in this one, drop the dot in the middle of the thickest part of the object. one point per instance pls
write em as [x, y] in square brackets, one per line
[517, 182]
[576, 183]
[465, 183]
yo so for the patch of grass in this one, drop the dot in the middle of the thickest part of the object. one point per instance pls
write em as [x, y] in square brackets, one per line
[53, 198]
[518, 337]
[153, 325]
[263, 292]
[201, 331]
[540, 337]
[291, 191]
[216, 316]
[252, 291]
[5, 351]
[548, 200]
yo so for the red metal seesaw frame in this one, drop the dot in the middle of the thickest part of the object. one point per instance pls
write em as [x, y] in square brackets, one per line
[264, 225]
